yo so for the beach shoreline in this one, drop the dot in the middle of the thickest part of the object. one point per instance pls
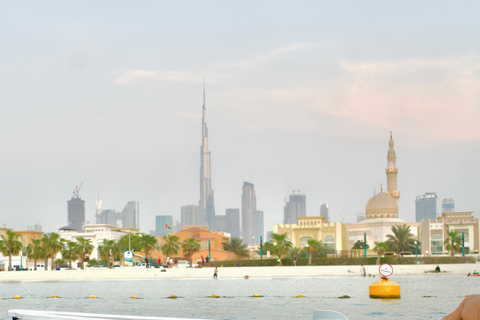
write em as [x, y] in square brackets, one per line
[130, 273]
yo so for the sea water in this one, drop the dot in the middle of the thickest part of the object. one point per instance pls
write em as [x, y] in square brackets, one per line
[429, 296]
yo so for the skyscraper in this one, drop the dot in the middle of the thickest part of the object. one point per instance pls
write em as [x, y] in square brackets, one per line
[206, 203]
[294, 208]
[130, 215]
[324, 211]
[233, 222]
[249, 206]
[76, 210]
[257, 226]
[448, 205]
[190, 216]
[426, 207]
[160, 228]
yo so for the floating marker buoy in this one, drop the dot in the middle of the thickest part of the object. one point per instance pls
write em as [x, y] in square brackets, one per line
[133, 297]
[257, 295]
[93, 297]
[214, 296]
[384, 289]
[54, 296]
[173, 296]
[17, 297]
[300, 296]
[344, 297]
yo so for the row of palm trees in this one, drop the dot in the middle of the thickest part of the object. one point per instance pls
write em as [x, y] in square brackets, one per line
[172, 246]
[51, 244]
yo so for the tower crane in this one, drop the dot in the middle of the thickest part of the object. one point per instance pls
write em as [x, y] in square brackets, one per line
[76, 191]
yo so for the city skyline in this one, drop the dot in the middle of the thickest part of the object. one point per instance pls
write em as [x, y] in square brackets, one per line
[304, 93]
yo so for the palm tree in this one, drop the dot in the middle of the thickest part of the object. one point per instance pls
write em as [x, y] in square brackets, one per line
[281, 243]
[171, 245]
[401, 240]
[312, 246]
[10, 245]
[380, 248]
[70, 252]
[453, 242]
[35, 251]
[189, 247]
[269, 246]
[148, 244]
[237, 246]
[85, 248]
[106, 250]
[52, 244]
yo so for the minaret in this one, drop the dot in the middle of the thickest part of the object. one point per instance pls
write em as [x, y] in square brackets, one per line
[392, 171]
[206, 203]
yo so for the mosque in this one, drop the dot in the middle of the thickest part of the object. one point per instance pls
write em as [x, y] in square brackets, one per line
[381, 212]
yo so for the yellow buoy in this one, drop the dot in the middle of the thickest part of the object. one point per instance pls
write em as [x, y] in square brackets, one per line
[93, 297]
[17, 297]
[300, 296]
[214, 296]
[257, 295]
[54, 296]
[173, 296]
[133, 297]
[385, 289]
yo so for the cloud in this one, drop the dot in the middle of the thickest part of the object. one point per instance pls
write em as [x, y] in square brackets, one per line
[130, 76]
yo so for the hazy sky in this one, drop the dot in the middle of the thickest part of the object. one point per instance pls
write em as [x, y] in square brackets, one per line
[110, 93]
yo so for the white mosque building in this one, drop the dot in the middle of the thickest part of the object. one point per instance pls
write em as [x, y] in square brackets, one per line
[381, 212]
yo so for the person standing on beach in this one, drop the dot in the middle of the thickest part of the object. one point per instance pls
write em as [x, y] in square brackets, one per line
[295, 260]
[362, 271]
[203, 261]
[215, 273]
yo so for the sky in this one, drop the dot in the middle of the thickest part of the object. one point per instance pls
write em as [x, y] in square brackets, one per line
[299, 96]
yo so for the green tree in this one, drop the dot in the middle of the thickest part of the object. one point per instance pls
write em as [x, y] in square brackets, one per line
[148, 244]
[454, 242]
[70, 252]
[10, 245]
[107, 250]
[171, 245]
[269, 246]
[282, 244]
[85, 248]
[189, 247]
[35, 251]
[237, 246]
[401, 240]
[360, 245]
[311, 247]
[380, 248]
[52, 244]
[131, 241]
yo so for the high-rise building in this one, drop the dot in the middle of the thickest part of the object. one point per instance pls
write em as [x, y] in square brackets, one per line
[233, 222]
[324, 211]
[76, 210]
[294, 208]
[130, 215]
[426, 207]
[360, 217]
[448, 205]
[163, 225]
[206, 203]
[257, 226]
[190, 216]
[249, 206]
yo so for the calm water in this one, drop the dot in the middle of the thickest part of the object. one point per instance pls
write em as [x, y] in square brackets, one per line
[423, 297]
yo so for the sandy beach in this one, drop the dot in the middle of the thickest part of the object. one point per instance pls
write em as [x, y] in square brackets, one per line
[231, 272]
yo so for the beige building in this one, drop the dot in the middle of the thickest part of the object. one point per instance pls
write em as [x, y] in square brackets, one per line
[434, 232]
[381, 211]
[333, 234]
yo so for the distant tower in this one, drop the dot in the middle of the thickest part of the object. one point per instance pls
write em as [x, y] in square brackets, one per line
[206, 203]
[392, 172]
[294, 208]
[249, 206]
[98, 209]
[190, 216]
[258, 228]
[426, 207]
[448, 205]
[130, 215]
[324, 211]
[233, 222]
[76, 210]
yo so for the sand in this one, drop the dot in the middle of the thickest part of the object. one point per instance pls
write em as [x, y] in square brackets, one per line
[231, 272]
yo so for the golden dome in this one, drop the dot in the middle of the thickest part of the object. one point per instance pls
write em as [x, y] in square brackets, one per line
[381, 205]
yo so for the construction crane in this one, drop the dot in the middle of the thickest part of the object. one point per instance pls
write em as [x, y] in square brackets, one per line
[76, 191]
